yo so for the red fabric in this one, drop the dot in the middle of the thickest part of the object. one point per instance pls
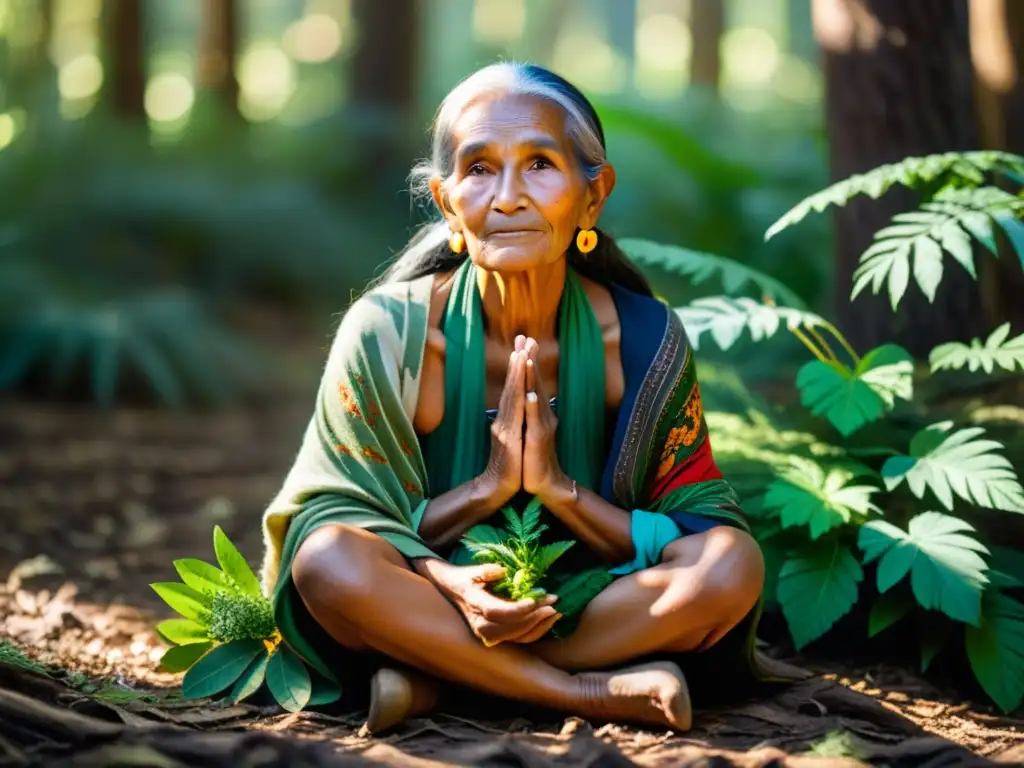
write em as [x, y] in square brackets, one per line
[698, 468]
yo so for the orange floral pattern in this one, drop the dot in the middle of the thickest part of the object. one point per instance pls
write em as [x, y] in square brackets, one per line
[348, 401]
[344, 449]
[685, 435]
[374, 455]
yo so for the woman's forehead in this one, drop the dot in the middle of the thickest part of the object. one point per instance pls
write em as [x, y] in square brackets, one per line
[510, 118]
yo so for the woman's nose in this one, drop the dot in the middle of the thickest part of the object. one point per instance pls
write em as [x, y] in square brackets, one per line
[509, 196]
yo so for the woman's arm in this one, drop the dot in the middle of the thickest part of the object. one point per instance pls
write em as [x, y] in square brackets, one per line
[602, 526]
[451, 514]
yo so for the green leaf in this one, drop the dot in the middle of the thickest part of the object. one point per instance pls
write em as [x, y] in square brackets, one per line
[234, 565]
[957, 464]
[289, 680]
[932, 644]
[181, 657]
[852, 398]
[817, 588]
[807, 494]
[484, 534]
[182, 631]
[700, 267]
[323, 692]
[531, 517]
[995, 352]
[995, 650]
[887, 610]
[201, 576]
[1008, 561]
[220, 668]
[252, 678]
[548, 554]
[185, 600]
[726, 319]
[947, 573]
[920, 236]
[910, 172]
[1014, 230]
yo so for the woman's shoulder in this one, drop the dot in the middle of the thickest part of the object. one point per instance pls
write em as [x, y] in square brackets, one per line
[389, 307]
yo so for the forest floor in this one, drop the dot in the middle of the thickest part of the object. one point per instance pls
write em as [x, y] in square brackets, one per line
[95, 506]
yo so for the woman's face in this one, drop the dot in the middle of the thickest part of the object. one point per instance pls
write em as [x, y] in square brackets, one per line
[517, 192]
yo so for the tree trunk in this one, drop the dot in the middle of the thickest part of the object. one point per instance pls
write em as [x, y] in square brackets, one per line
[126, 84]
[997, 50]
[218, 46]
[384, 66]
[707, 25]
[899, 83]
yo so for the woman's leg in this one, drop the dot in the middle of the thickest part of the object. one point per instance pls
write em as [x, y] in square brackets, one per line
[705, 585]
[360, 589]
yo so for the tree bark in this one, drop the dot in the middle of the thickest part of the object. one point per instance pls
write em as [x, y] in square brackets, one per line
[997, 50]
[707, 25]
[384, 65]
[126, 83]
[898, 83]
[215, 71]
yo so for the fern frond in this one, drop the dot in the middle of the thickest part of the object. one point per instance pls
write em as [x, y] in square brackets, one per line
[725, 319]
[946, 223]
[995, 351]
[968, 167]
[700, 267]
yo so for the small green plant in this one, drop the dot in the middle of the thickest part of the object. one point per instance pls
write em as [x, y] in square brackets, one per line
[875, 519]
[227, 640]
[528, 562]
[518, 549]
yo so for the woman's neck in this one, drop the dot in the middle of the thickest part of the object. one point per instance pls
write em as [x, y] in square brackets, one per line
[522, 302]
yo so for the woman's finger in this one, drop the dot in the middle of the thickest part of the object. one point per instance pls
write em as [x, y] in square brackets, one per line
[499, 611]
[507, 390]
[540, 629]
[520, 343]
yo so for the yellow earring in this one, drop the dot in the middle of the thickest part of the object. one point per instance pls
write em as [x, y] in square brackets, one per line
[456, 242]
[586, 240]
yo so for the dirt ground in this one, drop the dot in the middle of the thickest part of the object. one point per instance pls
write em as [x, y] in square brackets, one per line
[95, 506]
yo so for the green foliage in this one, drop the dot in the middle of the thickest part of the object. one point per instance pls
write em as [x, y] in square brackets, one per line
[816, 588]
[518, 550]
[700, 267]
[240, 617]
[914, 172]
[228, 638]
[957, 464]
[852, 397]
[995, 649]
[946, 569]
[11, 654]
[725, 320]
[807, 494]
[162, 347]
[995, 352]
[916, 240]
[820, 499]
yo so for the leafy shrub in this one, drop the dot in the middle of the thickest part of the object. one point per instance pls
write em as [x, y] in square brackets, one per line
[227, 637]
[872, 519]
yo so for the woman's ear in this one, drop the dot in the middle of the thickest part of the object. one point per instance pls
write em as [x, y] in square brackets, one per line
[437, 192]
[599, 189]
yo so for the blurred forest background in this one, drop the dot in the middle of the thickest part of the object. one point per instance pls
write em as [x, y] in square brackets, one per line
[169, 169]
[191, 191]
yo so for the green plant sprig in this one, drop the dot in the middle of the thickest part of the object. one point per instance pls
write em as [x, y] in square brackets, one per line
[227, 641]
[518, 549]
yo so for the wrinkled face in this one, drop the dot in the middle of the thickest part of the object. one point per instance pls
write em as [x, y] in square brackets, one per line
[517, 193]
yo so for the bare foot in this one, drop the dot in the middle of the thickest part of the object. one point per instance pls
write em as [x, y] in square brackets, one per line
[655, 694]
[397, 694]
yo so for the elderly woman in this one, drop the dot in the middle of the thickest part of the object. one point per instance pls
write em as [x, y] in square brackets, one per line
[513, 352]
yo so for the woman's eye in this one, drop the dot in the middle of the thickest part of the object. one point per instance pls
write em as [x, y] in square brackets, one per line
[475, 169]
[541, 163]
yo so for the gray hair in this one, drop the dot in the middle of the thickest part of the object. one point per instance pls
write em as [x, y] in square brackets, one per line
[428, 252]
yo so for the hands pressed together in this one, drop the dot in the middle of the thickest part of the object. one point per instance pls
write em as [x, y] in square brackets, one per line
[523, 453]
[522, 457]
